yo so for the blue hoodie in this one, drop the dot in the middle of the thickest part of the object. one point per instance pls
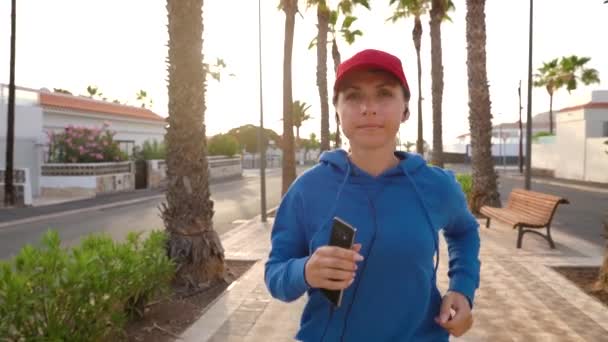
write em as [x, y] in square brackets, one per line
[397, 216]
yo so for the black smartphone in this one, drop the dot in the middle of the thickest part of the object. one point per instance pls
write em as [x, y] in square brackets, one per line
[342, 235]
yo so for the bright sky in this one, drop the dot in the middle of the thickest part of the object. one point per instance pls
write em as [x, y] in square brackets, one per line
[119, 46]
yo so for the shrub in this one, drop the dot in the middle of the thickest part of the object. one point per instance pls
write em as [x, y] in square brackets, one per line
[223, 145]
[84, 145]
[150, 151]
[466, 183]
[83, 294]
[537, 135]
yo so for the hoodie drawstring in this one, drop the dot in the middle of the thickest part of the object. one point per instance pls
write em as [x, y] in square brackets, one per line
[428, 218]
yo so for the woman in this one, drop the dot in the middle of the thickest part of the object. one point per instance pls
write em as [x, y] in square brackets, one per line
[397, 204]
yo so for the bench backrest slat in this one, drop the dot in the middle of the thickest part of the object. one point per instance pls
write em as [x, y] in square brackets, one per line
[537, 205]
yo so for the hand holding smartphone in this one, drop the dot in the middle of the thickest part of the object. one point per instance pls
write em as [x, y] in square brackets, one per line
[342, 235]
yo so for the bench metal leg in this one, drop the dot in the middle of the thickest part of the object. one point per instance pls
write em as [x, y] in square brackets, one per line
[488, 222]
[522, 231]
[551, 243]
[520, 235]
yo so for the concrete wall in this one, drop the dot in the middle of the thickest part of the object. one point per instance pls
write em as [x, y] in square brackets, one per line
[596, 166]
[219, 168]
[88, 179]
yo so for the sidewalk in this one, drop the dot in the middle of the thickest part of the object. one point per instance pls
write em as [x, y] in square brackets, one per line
[520, 299]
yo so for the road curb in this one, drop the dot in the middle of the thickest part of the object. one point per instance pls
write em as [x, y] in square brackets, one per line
[78, 211]
[561, 184]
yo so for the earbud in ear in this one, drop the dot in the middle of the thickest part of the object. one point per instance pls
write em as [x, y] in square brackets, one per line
[406, 115]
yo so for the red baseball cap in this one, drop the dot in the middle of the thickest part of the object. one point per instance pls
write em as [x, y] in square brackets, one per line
[371, 58]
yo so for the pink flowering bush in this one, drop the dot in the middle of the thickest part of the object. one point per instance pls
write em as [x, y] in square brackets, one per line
[84, 145]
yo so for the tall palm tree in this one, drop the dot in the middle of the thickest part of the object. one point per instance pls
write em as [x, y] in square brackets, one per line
[300, 114]
[290, 7]
[188, 211]
[567, 71]
[439, 12]
[349, 36]
[323, 16]
[548, 77]
[416, 9]
[484, 189]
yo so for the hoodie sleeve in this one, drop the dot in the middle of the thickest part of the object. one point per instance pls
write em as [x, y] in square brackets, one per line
[462, 237]
[284, 271]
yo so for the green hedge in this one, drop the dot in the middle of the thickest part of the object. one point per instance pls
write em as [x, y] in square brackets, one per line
[466, 183]
[86, 293]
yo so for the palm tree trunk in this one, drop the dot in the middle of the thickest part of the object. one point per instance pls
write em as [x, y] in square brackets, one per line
[323, 28]
[437, 14]
[551, 113]
[417, 37]
[289, 159]
[188, 211]
[602, 281]
[484, 189]
[335, 54]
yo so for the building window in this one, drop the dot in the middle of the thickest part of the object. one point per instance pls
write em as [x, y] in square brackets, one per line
[126, 146]
[605, 130]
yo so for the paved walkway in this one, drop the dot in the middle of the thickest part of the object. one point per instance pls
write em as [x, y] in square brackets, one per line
[521, 298]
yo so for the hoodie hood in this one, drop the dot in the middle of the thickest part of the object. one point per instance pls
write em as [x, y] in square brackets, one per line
[409, 163]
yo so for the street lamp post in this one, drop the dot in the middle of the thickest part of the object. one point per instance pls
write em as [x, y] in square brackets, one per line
[261, 145]
[529, 114]
[9, 190]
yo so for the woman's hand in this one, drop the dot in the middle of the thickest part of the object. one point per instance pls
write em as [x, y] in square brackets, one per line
[462, 320]
[332, 268]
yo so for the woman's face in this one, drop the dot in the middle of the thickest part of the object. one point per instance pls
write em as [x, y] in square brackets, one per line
[371, 106]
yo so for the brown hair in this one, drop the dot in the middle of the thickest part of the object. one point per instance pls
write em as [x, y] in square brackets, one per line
[406, 92]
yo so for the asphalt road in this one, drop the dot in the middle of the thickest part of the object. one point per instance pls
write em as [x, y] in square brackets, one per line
[239, 200]
[235, 201]
[581, 218]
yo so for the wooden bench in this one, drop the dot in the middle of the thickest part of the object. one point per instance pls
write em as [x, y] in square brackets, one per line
[526, 209]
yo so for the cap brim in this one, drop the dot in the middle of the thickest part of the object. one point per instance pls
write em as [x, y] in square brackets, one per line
[361, 66]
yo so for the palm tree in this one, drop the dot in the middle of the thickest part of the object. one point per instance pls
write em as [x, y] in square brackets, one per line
[323, 14]
[348, 35]
[300, 114]
[290, 7]
[94, 91]
[439, 12]
[142, 96]
[188, 212]
[484, 189]
[415, 8]
[568, 71]
[548, 77]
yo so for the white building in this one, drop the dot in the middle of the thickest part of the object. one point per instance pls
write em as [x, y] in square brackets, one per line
[40, 111]
[505, 137]
[579, 149]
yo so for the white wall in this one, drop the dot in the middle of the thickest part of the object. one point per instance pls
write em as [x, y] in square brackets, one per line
[544, 156]
[596, 167]
[570, 145]
[595, 119]
[132, 130]
[28, 122]
[29, 139]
